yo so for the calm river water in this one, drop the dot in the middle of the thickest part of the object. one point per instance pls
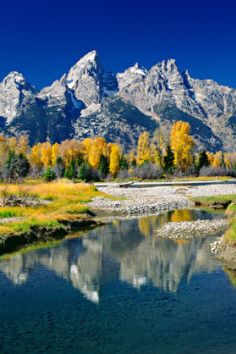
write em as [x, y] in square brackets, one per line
[116, 289]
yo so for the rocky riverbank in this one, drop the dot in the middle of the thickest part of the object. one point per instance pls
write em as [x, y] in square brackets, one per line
[149, 200]
[225, 252]
[189, 230]
[140, 201]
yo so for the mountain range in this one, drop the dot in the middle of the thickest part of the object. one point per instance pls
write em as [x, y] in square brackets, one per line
[89, 101]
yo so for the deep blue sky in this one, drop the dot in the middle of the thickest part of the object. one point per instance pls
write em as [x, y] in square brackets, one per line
[43, 38]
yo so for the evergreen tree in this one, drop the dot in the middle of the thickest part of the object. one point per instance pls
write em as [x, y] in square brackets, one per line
[168, 160]
[203, 160]
[70, 171]
[103, 167]
[60, 167]
[124, 164]
[16, 166]
[85, 172]
[49, 175]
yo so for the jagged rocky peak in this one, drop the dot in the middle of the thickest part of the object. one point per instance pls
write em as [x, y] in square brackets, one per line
[166, 75]
[89, 64]
[59, 95]
[119, 106]
[54, 94]
[131, 75]
[90, 82]
[15, 92]
[14, 77]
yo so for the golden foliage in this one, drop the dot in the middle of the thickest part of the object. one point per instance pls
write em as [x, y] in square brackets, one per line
[46, 154]
[143, 149]
[182, 145]
[96, 148]
[115, 158]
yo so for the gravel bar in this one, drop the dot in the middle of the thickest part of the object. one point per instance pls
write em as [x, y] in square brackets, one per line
[139, 201]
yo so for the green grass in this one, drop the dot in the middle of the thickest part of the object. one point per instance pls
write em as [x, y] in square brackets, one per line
[222, 200]
[67, 203]
[230, 234]
[26, 225]
[232, 276]
[216, 199]
[231, 208]
[10, 213]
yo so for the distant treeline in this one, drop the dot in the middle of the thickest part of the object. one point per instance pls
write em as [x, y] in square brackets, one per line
[164, 154]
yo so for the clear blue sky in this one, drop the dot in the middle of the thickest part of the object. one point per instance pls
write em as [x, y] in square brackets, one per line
[43, 38]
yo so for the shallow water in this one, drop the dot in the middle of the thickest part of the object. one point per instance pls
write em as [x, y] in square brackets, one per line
[118, 290]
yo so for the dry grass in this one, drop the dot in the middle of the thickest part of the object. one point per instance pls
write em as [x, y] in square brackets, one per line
[61, 200]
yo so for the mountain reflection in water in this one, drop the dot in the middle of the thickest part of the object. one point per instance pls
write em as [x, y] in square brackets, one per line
[122, 250]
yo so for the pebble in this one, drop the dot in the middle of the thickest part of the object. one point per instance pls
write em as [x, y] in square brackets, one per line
[214, 246]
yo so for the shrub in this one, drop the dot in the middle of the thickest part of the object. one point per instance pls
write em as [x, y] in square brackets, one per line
[216, 172]
[123, 174]
[147, 171]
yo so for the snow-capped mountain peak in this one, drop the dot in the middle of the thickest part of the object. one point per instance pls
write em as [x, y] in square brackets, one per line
[89, 100]
[15, 92]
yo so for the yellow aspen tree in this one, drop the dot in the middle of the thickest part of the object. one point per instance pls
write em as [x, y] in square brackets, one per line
[12, 143]
[86, 147]
[55, 153]
[115, 157]
[161, 138]
[70, 150]
[210, 157]
[22, 145]
[35, 156]
[182, 145]
[46, 154]
[4, 150]
[217, 160]
[155, 154]
[98, 147]
[131, 158]
[143, 149]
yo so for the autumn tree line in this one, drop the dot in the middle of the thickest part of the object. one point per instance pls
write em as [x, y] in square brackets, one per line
[166, 153]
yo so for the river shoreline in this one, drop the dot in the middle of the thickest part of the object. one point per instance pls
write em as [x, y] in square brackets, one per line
[144, 200]
[124, 202]
[10, 243]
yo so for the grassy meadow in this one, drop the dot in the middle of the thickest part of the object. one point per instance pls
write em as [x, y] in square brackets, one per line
[43, 204]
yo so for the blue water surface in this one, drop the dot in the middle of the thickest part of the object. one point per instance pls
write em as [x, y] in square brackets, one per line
[118, 289]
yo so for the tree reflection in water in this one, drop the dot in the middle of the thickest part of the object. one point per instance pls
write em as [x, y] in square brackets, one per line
[123, 250]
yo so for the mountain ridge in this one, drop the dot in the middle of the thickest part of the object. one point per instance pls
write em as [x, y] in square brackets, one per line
[89, 100]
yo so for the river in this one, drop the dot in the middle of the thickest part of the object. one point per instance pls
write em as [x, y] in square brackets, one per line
[117, 289]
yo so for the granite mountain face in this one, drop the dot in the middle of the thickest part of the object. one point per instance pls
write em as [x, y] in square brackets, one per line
[89, 101]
